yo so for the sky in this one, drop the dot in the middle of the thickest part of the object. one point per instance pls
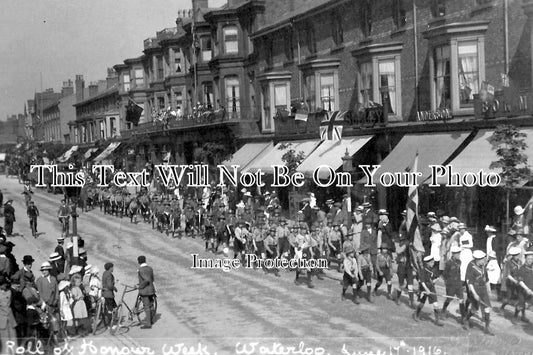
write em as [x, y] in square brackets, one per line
[62, 38]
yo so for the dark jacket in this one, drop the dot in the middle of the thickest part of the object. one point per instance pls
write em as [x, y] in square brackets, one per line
[146, 281]
[108, 285]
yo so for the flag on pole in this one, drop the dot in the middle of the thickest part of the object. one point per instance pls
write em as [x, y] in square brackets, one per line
[413, 230]
[332, 125]
[133, 112]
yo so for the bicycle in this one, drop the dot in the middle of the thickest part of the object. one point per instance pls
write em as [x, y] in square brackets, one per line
[123, 316]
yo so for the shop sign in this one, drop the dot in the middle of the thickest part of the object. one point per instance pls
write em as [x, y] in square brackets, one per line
[508, 102]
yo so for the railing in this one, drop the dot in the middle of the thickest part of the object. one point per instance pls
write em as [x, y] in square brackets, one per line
[189, 120]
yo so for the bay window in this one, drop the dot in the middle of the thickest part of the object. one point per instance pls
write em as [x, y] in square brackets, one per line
[468, 71]
[457, 65]
[232, 95]
[442, 77]
[231, 44]
[327, 92]
[126, 82]
[206, 49]
[379, 77]
[310, 92]
[208, 95]
[275, 95]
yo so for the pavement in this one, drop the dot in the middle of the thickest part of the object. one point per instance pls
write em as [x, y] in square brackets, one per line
[244, 311]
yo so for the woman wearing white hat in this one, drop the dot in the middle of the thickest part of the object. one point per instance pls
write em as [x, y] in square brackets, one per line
[65, 304]
[466, 243]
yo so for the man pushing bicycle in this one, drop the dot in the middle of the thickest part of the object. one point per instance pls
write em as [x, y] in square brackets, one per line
[146, 291]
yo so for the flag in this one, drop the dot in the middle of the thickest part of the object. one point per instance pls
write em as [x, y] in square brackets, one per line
[133, 112]
[331, 126]
[413, 230]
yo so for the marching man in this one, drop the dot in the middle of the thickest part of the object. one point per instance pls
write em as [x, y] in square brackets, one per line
[478, 288]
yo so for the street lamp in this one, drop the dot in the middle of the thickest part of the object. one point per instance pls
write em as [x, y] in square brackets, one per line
[347, 167]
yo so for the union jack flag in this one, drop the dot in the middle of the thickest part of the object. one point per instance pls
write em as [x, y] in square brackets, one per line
[331, 126]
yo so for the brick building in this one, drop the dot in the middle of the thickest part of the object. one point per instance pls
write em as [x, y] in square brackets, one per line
[97, 110]
[57, 115]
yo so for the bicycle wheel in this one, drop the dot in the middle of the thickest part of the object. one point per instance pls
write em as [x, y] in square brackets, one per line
[97, 316]
[139, 308]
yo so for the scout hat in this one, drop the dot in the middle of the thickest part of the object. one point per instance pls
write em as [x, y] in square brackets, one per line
[46, 266]
[359, 209]
[461, 226]
[492, 254]
[445, 219]
[478, 254]
[428, 258]
[514, 251]
[455, 249]
[329, 202]
[367, 204]
[60, 239]
[383, 212]
[454, 219]
[529, 252]
[55, 257]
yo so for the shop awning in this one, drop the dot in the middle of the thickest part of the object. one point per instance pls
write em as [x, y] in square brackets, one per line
[274, 156]
[247, 153]
[432, 148]
[67, 154]
[330, 153]
[479, 154]
[107, 151]
[89, 152]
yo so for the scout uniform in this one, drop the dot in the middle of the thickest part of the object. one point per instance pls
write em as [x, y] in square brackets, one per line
[452, 280]
[365, 263]
[383, 269]
[405, 268]
[477, 288]
[351, 275]
[510, 277]
[525, 275]
[427, 290]
[282, 234]
[334, 243]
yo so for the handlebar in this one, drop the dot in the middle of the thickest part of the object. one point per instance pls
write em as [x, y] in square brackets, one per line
[128, 286]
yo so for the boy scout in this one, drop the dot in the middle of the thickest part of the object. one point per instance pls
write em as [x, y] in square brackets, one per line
[427, 290]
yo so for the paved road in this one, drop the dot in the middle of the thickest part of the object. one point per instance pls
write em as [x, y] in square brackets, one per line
[245, 306]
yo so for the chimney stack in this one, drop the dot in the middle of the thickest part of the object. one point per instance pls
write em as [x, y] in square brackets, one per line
[93, 89]
[80, 87]
[112, 78]
[68, 88]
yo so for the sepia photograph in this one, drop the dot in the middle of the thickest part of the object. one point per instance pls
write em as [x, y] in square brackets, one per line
[274, 177]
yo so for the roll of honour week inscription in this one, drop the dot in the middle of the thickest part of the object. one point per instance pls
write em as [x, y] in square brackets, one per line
[323, 176]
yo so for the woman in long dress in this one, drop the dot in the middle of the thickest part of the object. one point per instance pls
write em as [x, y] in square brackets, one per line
[466, 243]
[65, 310]
[79, 309]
